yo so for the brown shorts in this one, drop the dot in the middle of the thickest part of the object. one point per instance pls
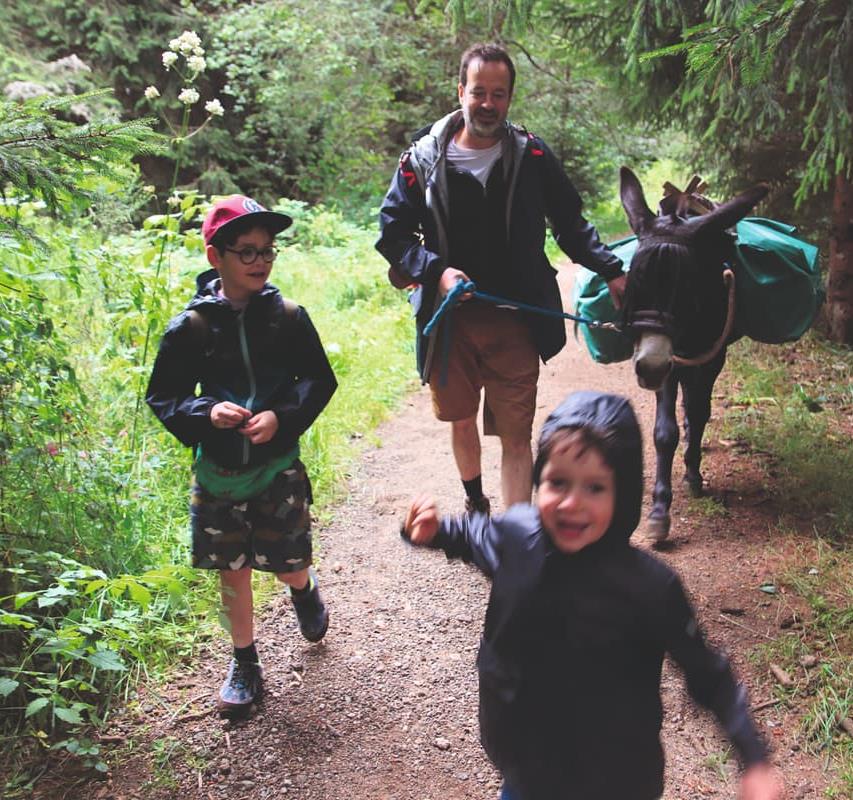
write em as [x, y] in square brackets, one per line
[489, 348]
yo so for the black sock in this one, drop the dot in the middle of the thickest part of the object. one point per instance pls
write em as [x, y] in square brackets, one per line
[246, 654]
[474, 487]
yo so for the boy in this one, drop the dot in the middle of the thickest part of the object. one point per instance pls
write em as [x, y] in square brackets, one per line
[578, 622]
[264, 379]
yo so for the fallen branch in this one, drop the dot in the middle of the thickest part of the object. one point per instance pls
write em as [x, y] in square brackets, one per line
[198, 715]
[731, 621]
[765, 704]
[783, 677]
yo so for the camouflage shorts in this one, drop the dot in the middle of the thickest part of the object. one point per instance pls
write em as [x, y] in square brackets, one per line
[269, 532]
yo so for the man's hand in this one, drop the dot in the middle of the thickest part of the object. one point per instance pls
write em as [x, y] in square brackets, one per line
[421, 523]
[261, 428]
[617, 289]
[228, 415]
[449, 278]
[760, 782]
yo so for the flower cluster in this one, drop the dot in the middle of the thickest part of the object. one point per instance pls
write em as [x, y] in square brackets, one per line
[187, 49]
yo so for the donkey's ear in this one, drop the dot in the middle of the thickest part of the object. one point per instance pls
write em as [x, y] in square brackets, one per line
[640, 216]
[727, 214]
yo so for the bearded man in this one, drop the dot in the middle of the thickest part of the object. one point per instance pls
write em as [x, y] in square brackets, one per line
[469, 201]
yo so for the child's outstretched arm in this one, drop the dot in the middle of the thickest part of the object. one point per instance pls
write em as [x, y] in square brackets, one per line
[474, 538]
[712, 683]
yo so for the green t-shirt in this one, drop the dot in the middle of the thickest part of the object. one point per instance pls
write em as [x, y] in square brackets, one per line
[240, 484]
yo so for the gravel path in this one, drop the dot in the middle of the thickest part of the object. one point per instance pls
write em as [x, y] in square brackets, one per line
[385, 707]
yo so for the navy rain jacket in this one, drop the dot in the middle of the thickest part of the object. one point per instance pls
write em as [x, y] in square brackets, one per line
[414, 224]
[266, 357]
[573, 645]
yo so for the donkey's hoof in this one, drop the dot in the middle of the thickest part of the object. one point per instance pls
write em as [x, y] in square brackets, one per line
[657, 528]
[694, 486]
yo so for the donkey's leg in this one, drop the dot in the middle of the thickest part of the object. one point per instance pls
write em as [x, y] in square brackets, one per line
[666, 440]
[696, 388]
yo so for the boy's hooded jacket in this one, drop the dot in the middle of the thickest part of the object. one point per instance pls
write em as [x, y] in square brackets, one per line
[417, 220]
[572, 648]
[266, 357]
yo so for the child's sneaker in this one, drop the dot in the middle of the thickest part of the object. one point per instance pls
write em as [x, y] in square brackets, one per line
[479, 505]
[242, 687]
[311, 610]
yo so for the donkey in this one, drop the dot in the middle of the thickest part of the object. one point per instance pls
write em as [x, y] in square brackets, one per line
[679, 305]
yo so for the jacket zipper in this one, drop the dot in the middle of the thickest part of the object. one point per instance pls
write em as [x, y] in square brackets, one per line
[253, 389]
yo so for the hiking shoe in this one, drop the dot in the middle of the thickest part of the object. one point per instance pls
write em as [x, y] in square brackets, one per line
[311, 611]
[242, 687]
[481, 505]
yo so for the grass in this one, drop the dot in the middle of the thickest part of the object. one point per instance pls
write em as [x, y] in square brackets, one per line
[793, 406]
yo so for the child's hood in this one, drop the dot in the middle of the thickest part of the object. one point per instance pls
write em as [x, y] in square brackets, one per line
[207, 291]
[613, 417]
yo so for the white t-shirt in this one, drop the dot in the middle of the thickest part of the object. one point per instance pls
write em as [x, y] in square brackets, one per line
[478, 162]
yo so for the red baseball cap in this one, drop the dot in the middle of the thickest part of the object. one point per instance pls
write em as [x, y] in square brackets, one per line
[235, 207]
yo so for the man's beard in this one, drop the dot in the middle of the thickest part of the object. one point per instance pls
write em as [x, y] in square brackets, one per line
[484, 129]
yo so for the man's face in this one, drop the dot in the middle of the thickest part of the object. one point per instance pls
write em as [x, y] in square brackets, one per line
[485, 98]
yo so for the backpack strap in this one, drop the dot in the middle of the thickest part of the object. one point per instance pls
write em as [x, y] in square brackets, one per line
[199, 328]
[291, 309]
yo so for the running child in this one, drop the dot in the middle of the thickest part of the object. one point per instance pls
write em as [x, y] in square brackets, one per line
[579, 621]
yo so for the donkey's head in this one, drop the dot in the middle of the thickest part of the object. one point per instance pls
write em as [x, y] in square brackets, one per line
[675, 299]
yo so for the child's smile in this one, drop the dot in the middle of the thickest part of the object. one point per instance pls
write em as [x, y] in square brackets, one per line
[576, 496]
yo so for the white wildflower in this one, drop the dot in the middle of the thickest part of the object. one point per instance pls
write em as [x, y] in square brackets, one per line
[188, 96]
[169, 58]
[187, 43]
[149, 188]
[214, 108]
[196, 64]
[198, 51]
[152, 92]
[174, 200]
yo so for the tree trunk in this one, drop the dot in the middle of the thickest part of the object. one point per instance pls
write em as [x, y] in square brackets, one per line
[839, 282]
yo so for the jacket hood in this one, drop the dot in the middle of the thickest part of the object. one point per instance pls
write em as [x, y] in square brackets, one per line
[612, 417]
[207, 287]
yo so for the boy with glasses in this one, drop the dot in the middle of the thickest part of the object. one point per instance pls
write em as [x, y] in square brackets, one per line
[264, 378]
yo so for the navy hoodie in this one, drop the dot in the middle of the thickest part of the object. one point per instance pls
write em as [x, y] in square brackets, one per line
[573, 645]
[266, 356]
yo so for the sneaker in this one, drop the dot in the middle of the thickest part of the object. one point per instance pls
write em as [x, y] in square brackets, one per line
[479, 506]
[241, 689]
[311, 611]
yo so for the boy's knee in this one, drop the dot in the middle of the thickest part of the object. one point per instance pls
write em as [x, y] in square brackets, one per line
[236, 577]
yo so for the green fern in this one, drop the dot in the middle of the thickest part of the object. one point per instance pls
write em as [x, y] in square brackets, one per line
[44, 156]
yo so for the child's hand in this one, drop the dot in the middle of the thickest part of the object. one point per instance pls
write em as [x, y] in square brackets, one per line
[421, 523]
[261, 428]
[760, 782]
[228, 415]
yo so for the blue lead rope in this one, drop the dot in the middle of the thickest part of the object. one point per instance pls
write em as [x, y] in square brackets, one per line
[468, 287]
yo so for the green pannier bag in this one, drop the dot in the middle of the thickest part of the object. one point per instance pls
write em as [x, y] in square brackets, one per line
[591, 300]
[778, 289]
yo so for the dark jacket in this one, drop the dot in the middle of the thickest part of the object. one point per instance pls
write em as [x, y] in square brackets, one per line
[415, 226]
[266, 357]
[572, 648]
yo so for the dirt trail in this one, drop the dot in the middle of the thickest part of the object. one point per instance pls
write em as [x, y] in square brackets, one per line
[385, 708]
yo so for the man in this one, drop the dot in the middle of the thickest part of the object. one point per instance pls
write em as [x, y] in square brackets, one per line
[469, 202]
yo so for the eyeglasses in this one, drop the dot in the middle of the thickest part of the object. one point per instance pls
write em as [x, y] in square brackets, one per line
[248, 255]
